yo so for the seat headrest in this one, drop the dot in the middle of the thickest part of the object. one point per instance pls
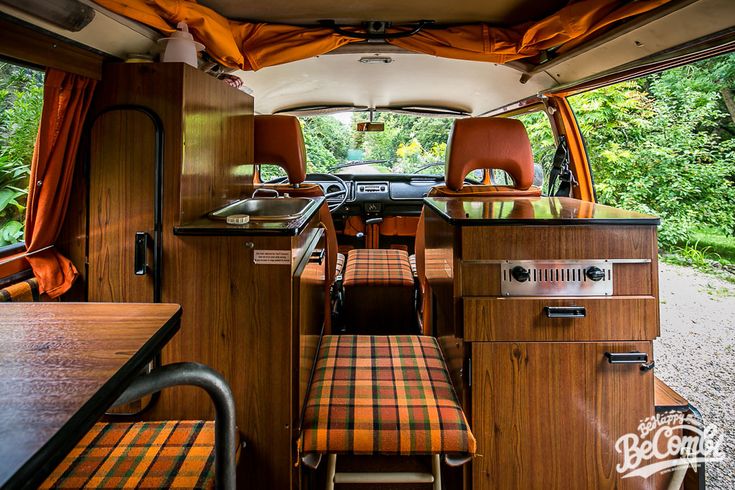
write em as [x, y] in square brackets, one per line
[489, 143]
[279, 141]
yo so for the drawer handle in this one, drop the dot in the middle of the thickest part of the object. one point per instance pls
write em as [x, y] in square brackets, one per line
[630, 358]
[317, 256]
[565, 311]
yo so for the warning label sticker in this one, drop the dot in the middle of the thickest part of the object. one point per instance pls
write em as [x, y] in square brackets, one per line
[273, 257]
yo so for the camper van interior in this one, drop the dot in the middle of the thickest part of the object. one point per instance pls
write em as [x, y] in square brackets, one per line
[198, 295]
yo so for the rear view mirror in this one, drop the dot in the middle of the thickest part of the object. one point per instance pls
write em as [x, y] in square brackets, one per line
[370, 126]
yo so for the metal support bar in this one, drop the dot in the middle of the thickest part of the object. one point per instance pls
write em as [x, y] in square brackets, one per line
[384, 477]
[195, 374]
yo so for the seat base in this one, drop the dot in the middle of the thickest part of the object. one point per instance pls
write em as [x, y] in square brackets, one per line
[334, 477]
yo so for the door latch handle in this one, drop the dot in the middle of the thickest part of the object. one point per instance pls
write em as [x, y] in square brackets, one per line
[565, 311]
[640, 358]
[141, 251]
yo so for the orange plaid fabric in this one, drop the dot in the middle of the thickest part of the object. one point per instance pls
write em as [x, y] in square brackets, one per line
[377, 267]
[340, 264]
[170, 454]
[383, 395]
[23, 291]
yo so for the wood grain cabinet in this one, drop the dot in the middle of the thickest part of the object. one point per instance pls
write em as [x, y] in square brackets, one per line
[532, 356]
[167, 144]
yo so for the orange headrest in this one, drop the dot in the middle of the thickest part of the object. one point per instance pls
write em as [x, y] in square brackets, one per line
[279, 141]
[489, 143]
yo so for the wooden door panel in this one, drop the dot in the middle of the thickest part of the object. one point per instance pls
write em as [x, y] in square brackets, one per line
[122, 151]
[547, 414]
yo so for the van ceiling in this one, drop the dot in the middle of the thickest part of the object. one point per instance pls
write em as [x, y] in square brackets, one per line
[504, 12]
[409, 80]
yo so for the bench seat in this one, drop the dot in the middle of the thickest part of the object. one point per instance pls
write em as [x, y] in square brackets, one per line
[169, 454]
[379, 292]
[378, 267]
[388, 395]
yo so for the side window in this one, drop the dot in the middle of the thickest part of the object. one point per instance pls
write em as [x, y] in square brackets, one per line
[21, 101]
[269, 172]
[664, 144]
[543, 145]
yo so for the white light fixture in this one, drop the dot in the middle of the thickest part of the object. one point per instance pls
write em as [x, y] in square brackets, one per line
[376, 59]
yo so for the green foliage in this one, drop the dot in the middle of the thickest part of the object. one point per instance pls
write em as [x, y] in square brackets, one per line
[21, 101]
[408, 142]
[542, 140]
[664, 145]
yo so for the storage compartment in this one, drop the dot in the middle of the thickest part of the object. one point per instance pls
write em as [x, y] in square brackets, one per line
[560, 319]
[547, 414]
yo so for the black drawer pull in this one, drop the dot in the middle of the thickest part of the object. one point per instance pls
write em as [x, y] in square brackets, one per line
[317, 256]
[630, 358]
[565, 311]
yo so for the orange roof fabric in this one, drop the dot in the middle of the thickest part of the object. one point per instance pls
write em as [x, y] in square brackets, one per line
[251, 46]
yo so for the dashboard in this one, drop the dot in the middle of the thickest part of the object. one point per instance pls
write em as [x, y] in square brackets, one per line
[382, 194]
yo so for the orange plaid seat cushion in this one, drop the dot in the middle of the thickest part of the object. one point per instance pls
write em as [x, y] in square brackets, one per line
[169, 454]
[377, 267]
[383, 394]
[340, 264]
[23, 291]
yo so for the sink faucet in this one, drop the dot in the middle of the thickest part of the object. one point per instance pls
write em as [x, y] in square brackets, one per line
[265, 189]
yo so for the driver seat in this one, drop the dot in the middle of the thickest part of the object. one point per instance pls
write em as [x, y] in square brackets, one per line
[278, 140]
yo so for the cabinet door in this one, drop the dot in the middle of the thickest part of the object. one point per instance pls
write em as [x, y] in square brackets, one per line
[547, 414]
[121, 203]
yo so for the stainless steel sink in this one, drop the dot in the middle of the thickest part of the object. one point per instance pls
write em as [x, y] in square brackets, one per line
[267, 208]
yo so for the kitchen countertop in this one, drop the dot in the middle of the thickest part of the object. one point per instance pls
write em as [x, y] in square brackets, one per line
[206, 226]
[501, 211]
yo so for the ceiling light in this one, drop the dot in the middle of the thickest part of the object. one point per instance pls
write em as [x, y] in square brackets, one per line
[376, 59]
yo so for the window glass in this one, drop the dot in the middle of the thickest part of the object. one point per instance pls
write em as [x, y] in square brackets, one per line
[664, 144]
[408, 143]
[21, 101]
[543, 145]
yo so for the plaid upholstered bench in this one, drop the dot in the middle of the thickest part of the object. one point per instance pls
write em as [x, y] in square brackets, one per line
[167, 454]
[174, 454]
[379, 292]
[387, 395]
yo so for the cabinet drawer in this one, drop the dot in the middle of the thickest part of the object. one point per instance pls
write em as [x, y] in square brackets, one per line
[560, 319]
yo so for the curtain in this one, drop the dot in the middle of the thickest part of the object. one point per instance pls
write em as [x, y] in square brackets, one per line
[251, 46]
[66, 100]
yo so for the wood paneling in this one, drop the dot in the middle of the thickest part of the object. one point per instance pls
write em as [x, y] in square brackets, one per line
[31, 46]
[524, 319]
[666, 398]
[547, 414]
[62, 365]
[558, 242]
[218, 147]
[122, 150]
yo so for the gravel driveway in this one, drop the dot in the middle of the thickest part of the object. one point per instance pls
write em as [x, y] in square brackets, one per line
[695, 354]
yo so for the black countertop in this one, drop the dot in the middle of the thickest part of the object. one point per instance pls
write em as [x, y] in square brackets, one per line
[206, 226]
[502, 211]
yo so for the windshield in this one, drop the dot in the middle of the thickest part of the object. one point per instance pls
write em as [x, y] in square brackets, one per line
[408, 144]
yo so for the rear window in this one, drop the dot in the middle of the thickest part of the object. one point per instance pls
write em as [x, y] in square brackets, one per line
[21, 101]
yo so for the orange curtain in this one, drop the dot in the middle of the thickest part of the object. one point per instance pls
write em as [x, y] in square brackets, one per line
[66, 100]
[251, 46]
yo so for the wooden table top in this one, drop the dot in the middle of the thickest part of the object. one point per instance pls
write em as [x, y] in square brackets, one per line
[61, 366]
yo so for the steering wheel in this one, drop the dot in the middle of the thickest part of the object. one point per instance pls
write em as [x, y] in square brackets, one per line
[335, 199]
